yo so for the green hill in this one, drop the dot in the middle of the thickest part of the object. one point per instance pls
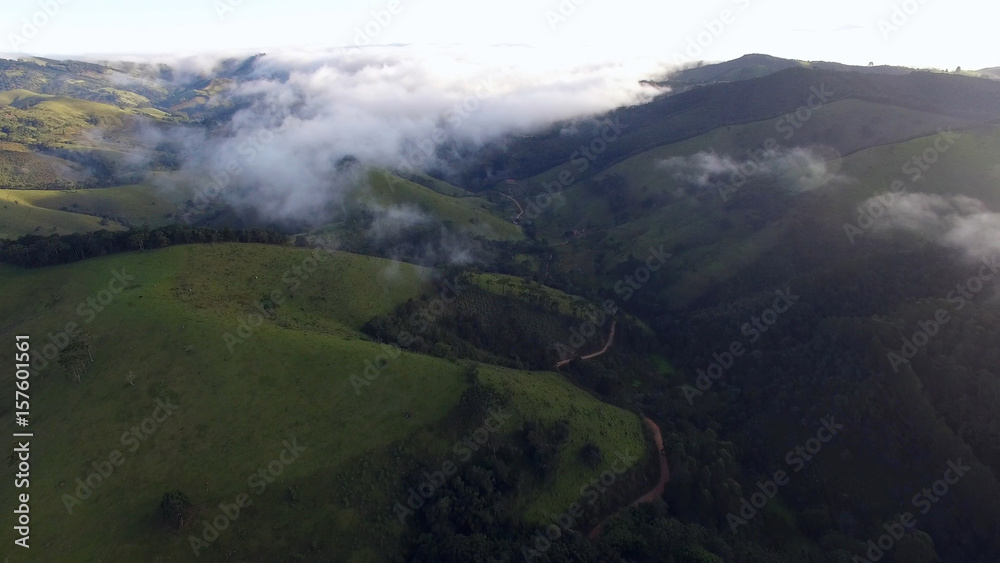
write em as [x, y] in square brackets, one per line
[18, 218]
[31, 118]
[858, 301]
[47, 141]
[135, 205]
[163, 338]
[757, 66]
[467, 213]
[671, 119]
[644, 202]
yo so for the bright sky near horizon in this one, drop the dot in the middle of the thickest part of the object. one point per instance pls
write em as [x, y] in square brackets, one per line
[920, 33]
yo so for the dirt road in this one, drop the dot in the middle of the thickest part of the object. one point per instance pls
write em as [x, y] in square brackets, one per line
[607, 345]
[519, 208]
[656, 491]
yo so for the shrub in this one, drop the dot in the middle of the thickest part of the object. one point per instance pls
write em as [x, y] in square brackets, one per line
[174, 508]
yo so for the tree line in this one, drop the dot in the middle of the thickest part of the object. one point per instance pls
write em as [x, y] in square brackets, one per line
[36, 251]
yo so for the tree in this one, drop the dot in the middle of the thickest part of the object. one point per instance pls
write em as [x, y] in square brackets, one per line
[174, 507]
[159, 240]
[137, 239]
[505, 284]
[77, 357]
[591, 454]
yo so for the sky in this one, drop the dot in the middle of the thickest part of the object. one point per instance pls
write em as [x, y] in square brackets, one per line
[918, 33]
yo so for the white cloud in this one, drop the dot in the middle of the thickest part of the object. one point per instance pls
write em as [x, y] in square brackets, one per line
[798, 169]
[381, 105]
[958, 222]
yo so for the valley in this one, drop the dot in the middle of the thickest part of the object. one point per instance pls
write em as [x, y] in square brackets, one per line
[345, 361]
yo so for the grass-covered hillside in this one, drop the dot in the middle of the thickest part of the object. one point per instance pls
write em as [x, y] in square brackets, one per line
[172, 333]
[474, 214]
[674, 118]
[716, 230]
[63, 211]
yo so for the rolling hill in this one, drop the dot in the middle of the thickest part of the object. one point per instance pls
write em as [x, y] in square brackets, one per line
[674, 118]
[162, 338]
[737, 243]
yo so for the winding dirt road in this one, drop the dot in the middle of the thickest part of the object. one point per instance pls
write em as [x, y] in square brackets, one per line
[607, 345]
[611, 339]
[657, 491]
[519, 208]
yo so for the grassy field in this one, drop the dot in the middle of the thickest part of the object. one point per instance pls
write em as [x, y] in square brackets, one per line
[969, 167]
[73, 210]
[290, 377]
[61, 123]
[471, 213]
[547, 397]
[513, 286]
[442, 187]
[137, 204]
[40, 118]
[65, 106]
[21, 168]
[18, 219]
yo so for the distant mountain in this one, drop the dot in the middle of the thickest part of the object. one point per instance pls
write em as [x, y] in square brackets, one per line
[992, 73]
[743, 68]
[757, 66]
[124, 84]
[672, 118]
